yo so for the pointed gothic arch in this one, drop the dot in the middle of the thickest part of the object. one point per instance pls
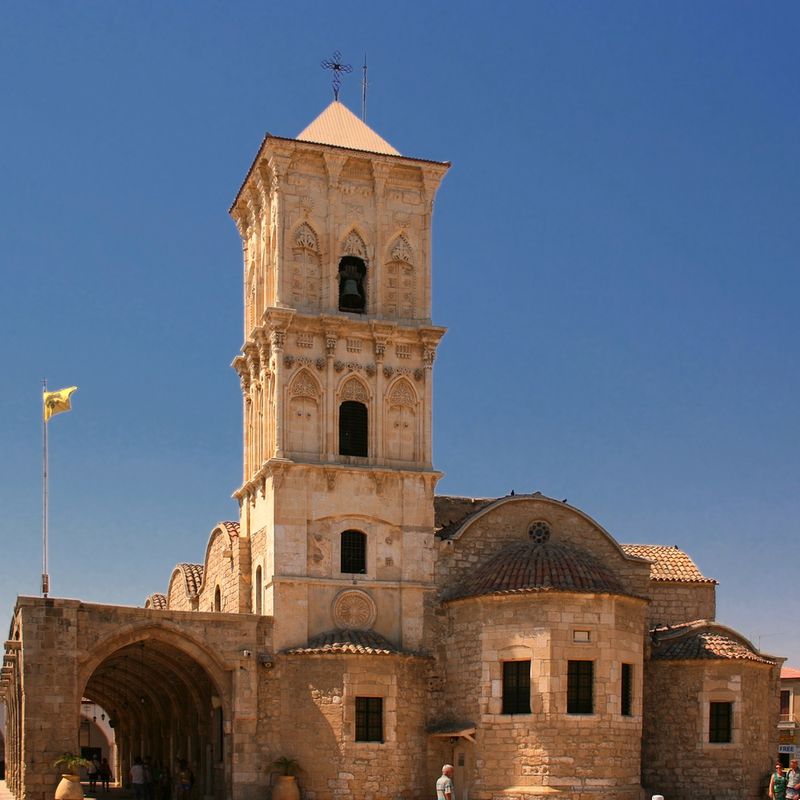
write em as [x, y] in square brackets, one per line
[305, 272]
[352, 274]
[304, 420]
[402, 434]
[353, 400]
[400, 279]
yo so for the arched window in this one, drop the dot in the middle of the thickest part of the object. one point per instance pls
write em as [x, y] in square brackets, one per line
[354, 552]
[352, 290]
[258, 590]
[353, 429]
[217, 600]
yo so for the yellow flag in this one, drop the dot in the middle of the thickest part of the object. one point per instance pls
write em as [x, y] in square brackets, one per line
[56, 402]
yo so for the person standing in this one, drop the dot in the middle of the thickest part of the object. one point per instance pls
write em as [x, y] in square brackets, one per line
[777, 783]
[91, 774]
[105, 774]
[444, 786]
[793, 781]
[137, 776]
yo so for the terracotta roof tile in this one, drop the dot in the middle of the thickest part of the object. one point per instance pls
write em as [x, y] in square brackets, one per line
[789, 673]
[701, 640]
[156, 600]
[231, 527]
[532, 567]
[193, 577]
[668, 563]
[347, 642]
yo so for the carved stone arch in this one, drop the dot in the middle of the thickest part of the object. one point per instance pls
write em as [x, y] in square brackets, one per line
[305, 268]
[400, 249]
[400, 278]
[304, 420]
[352, 387]
[304, 384]
[305, 237]
[402, 393]
[353, 244]
[402, 422]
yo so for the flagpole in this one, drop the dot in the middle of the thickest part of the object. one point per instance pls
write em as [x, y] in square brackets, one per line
[45, 576]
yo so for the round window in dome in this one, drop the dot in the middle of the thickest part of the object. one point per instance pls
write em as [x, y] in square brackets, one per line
[539, 531]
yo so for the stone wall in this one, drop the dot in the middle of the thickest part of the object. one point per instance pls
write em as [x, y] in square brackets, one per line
[592, 753]
[673, 602]
[678, 760]
[227, 566]
[309, 707]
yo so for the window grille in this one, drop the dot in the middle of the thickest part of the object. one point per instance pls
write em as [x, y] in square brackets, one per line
[720, 719]
[354, 552]
[580, 687]
[626, 690]
[516, 687]
[369, 719]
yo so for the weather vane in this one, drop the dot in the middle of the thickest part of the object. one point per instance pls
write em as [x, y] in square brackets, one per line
[335, 64]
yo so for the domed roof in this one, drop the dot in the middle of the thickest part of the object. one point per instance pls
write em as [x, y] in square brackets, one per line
[538, 567]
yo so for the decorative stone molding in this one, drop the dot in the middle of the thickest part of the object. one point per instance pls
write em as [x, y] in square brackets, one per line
[378, 479]
[401, 250]
[320, 364]
[288, 361]
[306, 238]
[354, 245]
[419, 374]
[304, 386]
[305, 340]
[354, 390]
[402, 394]
[370, 369]
[338, 365]
[330, 479]
[354, 609]
[388, 371]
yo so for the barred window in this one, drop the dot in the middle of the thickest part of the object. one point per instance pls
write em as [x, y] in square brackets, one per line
[720, 723]
[369, 719]
[516, 687]
[354, 552]
[626, 690]
[580, 687]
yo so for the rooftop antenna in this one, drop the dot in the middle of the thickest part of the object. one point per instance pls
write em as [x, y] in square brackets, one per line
[364, 85]
[335, 64]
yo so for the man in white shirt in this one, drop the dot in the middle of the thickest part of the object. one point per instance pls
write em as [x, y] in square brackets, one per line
[444, 786]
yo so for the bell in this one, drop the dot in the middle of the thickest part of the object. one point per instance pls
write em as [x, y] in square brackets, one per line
[350, 296]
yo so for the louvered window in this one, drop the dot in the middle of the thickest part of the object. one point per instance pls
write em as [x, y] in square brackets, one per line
[353, 429]
[354, 552]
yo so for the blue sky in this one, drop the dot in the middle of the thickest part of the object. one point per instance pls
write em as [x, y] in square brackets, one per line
[616, 254]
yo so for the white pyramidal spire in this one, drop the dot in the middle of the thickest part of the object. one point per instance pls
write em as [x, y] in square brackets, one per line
[339, 126]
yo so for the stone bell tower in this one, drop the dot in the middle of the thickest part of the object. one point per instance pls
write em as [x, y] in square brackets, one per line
[336, 374]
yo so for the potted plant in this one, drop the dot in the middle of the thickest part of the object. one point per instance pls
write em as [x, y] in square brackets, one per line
[70, 786]
[286, 788]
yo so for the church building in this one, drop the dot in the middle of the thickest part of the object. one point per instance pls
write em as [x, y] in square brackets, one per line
[352, 619]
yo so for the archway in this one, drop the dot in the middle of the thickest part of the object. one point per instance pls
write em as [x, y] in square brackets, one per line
[164, 705]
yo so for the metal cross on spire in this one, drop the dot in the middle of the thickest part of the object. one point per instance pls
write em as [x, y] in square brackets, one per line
[335, 64]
